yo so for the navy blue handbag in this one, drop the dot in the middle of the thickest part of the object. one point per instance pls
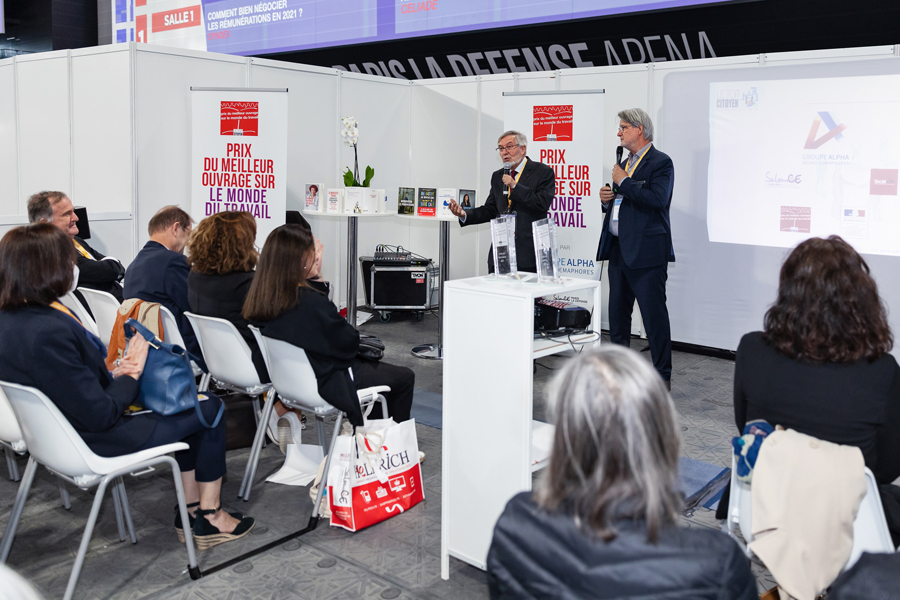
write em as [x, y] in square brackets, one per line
[167, 383]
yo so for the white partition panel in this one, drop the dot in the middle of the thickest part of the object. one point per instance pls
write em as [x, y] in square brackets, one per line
[313, 140]
[9, 154]
[445, 152]
[162, 81]
[101, 130]
[382, 108]
[44, 132]
[545, 81]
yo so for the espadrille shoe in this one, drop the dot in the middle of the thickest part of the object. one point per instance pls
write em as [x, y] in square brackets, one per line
[207, 535]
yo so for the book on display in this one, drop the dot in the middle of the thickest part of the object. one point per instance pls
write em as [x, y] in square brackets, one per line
[445, 195]
[406, 201]
[466, 198]
[334, 201]
[353, 200]
[371, 201]
[313, 193]
[426, 203]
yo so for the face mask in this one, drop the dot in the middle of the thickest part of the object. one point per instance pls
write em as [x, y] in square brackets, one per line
[74, 279]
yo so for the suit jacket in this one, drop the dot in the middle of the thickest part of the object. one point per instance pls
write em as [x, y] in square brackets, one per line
[159, 275]
[330, 342]
[44, 348]
[645, 233]
[99, 274]
[531, 200]
[222, 296]
[535, 555]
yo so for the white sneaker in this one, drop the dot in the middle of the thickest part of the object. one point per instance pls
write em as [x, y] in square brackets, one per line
[272, 428]
[421, 456]
[289, 429]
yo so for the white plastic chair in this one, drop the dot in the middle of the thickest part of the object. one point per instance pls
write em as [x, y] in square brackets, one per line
[870, 530]
[173, 336]
[295, 382]
[229, 360]
[75, 305]
[105, 308]
[54, 443]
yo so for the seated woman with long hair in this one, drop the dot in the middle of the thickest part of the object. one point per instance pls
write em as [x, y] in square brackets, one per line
[223, 257]
[45, 346]
[287, 307]
[602, 520]
[821, 366]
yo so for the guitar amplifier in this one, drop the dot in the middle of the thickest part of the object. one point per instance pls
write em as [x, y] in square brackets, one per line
[398, 287]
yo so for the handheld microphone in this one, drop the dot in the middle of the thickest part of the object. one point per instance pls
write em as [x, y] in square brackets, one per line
[506, 167]
[618, 162]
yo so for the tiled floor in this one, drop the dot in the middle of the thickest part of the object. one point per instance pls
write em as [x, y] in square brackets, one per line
[399, 558]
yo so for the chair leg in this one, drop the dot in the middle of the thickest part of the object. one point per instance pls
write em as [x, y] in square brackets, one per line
[11, 464]
[253, 460]
[256, 411]
[324, 481]
[193, 569]
[19, 504]
[86, 538]
[384, 409]
[117, 503]
[126, 509]
[64, 496]
[320, 429]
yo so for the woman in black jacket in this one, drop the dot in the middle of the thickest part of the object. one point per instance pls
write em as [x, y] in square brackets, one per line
[43, 345]
[287, 307]
[602, 521]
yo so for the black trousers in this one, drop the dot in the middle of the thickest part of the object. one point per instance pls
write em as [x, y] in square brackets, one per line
[648, 287]
[206, 454]
[402, 381]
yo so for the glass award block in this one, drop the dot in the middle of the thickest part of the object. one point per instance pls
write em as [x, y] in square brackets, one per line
[546, 250]
[503, 235]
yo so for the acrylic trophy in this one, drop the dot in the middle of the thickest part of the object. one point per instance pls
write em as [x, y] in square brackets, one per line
[546, 250]
[503, 235]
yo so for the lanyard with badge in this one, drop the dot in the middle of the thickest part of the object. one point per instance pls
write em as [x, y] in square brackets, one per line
[628, 173]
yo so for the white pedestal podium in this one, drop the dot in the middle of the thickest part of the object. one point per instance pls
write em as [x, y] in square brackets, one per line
[491, 446]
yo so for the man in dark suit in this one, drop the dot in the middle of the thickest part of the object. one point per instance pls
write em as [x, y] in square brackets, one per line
[159, 272]
[95, 271]
[637, 239]
[527, 190]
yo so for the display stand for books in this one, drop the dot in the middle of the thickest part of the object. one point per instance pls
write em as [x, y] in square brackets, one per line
[491, 445]
[352, 235]
[436, 351]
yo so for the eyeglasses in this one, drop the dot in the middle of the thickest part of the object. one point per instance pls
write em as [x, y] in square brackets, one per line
[508, 148]
[622, 128]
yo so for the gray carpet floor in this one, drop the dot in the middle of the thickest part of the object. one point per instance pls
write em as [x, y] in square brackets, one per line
[399, 558]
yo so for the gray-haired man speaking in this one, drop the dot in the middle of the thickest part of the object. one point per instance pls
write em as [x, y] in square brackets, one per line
[526, 189]
[637, 238]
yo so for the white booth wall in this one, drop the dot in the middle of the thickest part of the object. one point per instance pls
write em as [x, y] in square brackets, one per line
[111, 126]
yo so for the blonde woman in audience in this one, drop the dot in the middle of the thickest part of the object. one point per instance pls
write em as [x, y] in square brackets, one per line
[602, 522]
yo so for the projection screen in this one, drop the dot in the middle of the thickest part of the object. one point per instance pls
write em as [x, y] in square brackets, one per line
[766, 158]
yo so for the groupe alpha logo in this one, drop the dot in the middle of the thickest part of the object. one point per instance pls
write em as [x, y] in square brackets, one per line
[737, 98]
[834, 131]
[772, 178]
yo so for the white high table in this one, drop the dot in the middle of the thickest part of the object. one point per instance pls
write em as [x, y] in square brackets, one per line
[491, 445]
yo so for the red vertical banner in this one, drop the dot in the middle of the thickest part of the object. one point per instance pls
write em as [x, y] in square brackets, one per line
[140, 27]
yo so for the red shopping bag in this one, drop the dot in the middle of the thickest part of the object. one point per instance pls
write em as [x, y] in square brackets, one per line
[375, 474]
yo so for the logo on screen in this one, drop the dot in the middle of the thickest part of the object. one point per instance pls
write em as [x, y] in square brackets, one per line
[796, 219]
[834, 131]
[883, 182]
[552, 123]
[239, 118]
[750, 97]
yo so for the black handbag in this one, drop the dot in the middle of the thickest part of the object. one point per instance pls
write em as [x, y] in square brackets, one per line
[167, 383]
[370, 347]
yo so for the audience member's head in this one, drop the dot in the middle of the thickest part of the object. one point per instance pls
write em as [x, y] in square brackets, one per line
[615, 450]
[36, 266]
[55, 208]
[171, 227]
[287, 258]
[828, 308]
[224, 243]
